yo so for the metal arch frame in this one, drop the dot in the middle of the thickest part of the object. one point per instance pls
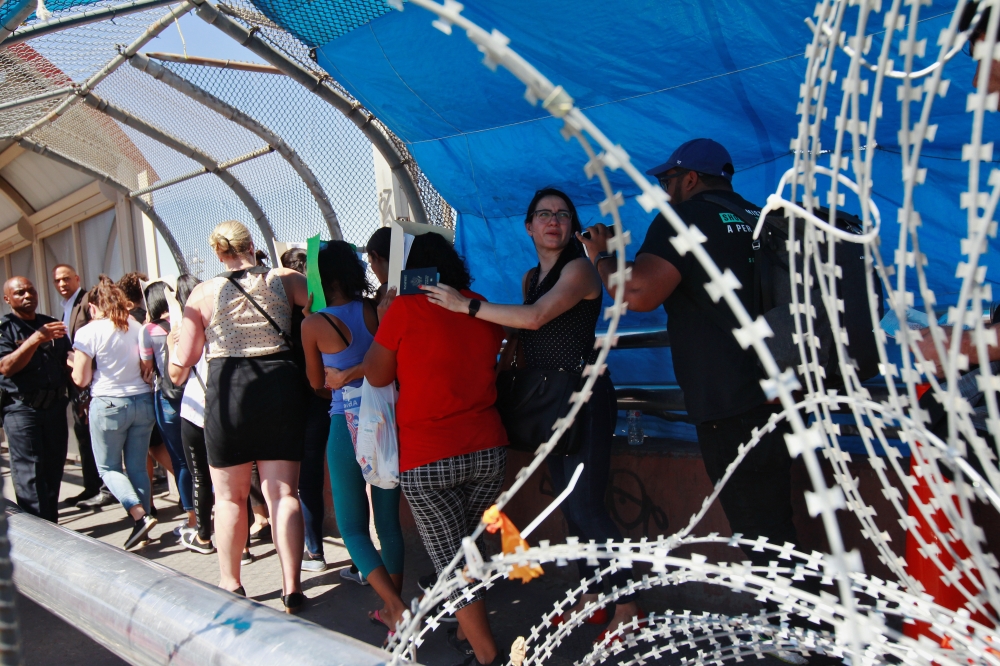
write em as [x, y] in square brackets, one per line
[352, 109]
[83, 18]
[248, 122]
[124, 54]
[186, 149]
[158, 223]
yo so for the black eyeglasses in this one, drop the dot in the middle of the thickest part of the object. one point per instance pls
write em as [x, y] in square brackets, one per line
[665, 180]
[560, 215]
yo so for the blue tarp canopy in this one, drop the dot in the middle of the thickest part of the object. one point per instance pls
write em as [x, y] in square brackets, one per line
[650, 75]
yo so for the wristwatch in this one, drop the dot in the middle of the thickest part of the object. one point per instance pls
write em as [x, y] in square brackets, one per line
[474, 306]
[601, 256]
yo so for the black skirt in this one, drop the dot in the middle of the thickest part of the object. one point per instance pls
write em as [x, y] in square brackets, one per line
[254, 410]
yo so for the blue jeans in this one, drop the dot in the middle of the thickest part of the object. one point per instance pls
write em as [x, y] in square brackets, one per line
[168, 420]
[121, 427]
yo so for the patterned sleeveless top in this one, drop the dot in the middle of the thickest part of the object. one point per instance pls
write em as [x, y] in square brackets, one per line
[237, 328]
[566, 342]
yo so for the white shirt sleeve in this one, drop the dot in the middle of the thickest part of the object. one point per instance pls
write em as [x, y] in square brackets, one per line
[86, 340]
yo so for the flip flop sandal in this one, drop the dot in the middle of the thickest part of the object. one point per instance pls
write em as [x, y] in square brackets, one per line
[375, 617]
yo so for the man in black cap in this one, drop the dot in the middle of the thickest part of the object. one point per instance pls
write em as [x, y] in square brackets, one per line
[720, 379]
[33, 379]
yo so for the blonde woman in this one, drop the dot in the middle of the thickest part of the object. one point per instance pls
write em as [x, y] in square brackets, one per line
[254, 405]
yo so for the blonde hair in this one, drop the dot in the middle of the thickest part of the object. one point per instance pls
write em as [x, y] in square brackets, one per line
[230, 238]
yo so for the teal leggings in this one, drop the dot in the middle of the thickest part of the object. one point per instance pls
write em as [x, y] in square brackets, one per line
[350, 503]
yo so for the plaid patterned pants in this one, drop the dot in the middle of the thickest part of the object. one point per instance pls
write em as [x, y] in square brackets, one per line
[448, 498]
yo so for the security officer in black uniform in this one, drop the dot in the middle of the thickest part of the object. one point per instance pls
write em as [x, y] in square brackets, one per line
[34, 376]
[720, 379]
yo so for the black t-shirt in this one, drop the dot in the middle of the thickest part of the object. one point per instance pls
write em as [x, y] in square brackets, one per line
[47, 368]
[719, 378]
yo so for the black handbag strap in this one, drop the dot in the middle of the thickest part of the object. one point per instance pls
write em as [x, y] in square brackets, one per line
[329, 320]
[233, 276]
[194, 371]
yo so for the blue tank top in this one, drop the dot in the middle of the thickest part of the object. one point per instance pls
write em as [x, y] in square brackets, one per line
[352, 315]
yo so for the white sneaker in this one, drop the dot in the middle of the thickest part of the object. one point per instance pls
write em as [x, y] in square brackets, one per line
[793, 658]
[312, 562]
[181, 529]
[352, 574]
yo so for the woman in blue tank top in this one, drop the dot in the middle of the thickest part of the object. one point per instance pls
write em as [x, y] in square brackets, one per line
[335, 340]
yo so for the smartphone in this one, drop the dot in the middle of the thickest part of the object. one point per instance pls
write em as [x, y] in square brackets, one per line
[410, 281]
[586, 234]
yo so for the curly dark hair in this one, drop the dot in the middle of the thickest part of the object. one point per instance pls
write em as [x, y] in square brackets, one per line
[341, 268]
[433, 250]
[129, 283]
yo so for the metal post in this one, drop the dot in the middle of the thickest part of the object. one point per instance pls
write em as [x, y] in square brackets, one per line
[34, 99]
[350, 108]
[203, 97]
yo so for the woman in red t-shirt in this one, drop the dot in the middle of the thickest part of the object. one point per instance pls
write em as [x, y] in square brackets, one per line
[451, 441]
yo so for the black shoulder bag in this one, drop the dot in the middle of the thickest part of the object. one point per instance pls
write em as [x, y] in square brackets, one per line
[232, 275]
[531, 400]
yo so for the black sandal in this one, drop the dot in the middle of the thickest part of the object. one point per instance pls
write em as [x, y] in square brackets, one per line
[293, 602]
[240, 592]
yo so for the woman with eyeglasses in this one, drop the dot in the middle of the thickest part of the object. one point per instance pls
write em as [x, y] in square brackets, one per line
[556, 324]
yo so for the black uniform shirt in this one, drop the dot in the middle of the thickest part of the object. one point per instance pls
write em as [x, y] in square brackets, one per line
[47, 367]
[719, 378]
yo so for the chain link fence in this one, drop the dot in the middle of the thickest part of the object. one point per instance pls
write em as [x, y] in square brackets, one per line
[161, 135]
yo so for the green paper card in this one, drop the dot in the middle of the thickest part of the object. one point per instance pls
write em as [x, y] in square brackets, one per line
[313, 280]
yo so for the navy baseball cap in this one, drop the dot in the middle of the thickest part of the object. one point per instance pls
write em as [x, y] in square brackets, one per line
[701, 155]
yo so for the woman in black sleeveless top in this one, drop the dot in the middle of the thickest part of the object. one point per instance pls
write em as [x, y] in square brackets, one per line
[562, 303]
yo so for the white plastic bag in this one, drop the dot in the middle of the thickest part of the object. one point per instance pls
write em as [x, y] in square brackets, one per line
[351, 396]
[377, 445]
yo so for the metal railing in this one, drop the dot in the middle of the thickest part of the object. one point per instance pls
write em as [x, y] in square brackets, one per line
[147, 613]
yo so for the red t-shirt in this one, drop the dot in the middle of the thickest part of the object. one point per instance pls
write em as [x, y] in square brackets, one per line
[445, 365]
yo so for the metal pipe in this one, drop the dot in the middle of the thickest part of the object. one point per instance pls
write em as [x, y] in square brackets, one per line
[19, 16]
[105, 71]
[83, 18]
[208, 163]
[41, 97]
[315, 84]
[149, 614]
[215, 62]
[205, 98]
[219, 171]
[165, 232]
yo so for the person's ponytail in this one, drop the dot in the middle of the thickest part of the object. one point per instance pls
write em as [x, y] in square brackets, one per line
[110, 300]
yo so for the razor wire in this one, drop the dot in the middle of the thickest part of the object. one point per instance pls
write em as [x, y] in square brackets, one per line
[853, 624]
